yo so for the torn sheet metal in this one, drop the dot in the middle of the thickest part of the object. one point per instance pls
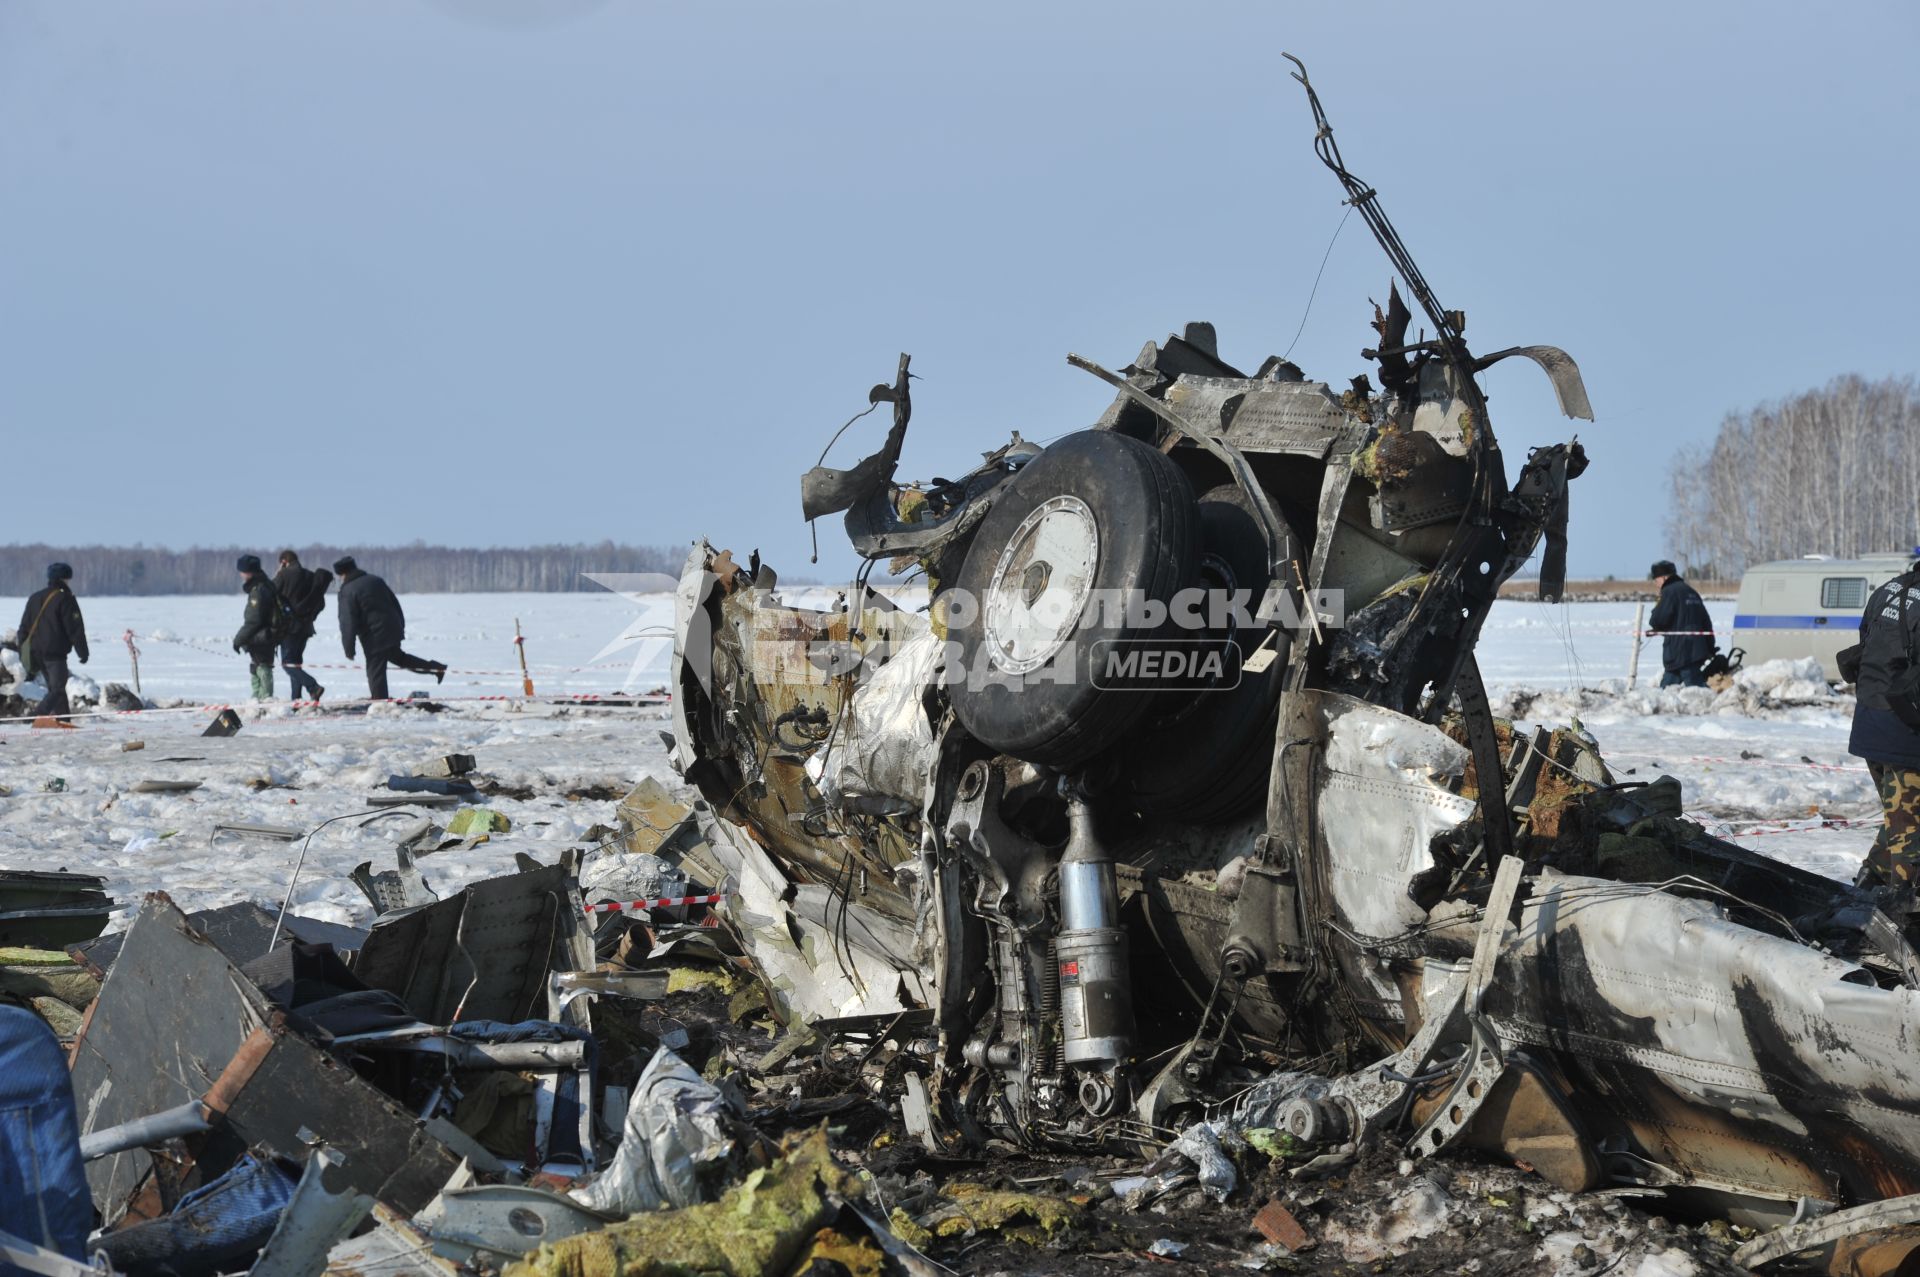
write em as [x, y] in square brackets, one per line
[824, 490]
[933, 523]
[1753, 1062]
[240, 931]
[492, 1223]
[278, 833]
[484, 954]
[282, 1093]
[1875, 1240]
[1381, 786]
[171, 1015]
[649, 816]
[1568, 386]
[1299, 418]
[821, 955]
[391, 890]
[49, 910]
[324, 1209]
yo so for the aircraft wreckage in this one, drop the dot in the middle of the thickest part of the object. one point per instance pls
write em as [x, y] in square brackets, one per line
[1312, 882]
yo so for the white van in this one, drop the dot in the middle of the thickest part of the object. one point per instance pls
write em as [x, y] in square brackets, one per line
[1808, 607]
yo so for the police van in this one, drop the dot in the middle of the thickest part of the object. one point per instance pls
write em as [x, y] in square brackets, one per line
[1808, 607]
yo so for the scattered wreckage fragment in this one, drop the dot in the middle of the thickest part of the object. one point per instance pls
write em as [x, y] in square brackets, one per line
[47, 910]
[250, 1096]
[315, 1095]
[1332, 875]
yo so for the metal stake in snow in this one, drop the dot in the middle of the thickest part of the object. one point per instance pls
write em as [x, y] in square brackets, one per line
[1639, 628]
[135, 653]
[520, 646]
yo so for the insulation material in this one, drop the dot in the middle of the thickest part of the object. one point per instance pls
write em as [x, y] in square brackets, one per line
[879, 758]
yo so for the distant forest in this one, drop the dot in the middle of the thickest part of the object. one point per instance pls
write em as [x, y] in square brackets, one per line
[412, 569]
[1829, 471]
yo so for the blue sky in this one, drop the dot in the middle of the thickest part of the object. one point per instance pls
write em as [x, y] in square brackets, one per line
[385, 270]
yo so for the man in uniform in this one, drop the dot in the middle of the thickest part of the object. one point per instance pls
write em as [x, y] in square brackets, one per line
[371, 615]
[261, 626]
[50, 629]
[1682, 617]
[1886, 729]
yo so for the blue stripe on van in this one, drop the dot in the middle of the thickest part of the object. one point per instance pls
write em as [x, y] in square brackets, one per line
[1840, 621]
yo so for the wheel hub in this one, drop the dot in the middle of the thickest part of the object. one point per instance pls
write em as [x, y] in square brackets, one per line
[1041, 584]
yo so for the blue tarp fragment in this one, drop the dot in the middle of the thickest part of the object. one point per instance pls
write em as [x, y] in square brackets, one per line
[43, 1183]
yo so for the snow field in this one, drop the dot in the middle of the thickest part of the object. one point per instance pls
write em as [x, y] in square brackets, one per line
[1545, 664]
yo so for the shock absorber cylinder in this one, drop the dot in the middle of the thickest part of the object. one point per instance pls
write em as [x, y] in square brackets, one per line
[1096, 991]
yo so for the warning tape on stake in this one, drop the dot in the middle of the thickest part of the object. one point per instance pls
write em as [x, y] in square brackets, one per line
[664, 902]
[513, 673]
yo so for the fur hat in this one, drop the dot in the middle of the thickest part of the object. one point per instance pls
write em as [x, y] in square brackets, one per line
[59, 572]
[249, 563]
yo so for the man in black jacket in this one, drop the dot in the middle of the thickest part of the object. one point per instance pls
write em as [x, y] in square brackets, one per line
[371, 615]
[261, 627]
[1889, 642]
[1682, 617]
[50, 629]
[303, 596]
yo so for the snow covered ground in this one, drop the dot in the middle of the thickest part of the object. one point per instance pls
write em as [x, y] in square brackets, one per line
[186, 643]
[1744, 758]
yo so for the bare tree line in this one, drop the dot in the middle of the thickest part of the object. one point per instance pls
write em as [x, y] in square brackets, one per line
[412, 569]
[1829, 471]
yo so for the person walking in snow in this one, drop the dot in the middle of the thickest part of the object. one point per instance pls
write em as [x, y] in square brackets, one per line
[371, 616]
[1682, 617]
[1886, 728]
[303, 596]
[260, 627]
[51, 629]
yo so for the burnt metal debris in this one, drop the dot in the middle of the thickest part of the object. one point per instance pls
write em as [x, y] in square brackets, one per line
[1341, 885]
[1205, 960]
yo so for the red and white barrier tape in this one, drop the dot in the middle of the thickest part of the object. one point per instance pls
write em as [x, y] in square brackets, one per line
[344, 703]
[535, 669]
[514, 673]
[664, 902]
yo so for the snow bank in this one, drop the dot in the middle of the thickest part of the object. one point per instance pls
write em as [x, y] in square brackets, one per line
[1784, 681]
[1767, 690]
[72, 804]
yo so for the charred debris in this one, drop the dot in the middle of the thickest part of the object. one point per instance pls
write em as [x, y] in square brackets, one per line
[961, 948]
[1326, 894]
